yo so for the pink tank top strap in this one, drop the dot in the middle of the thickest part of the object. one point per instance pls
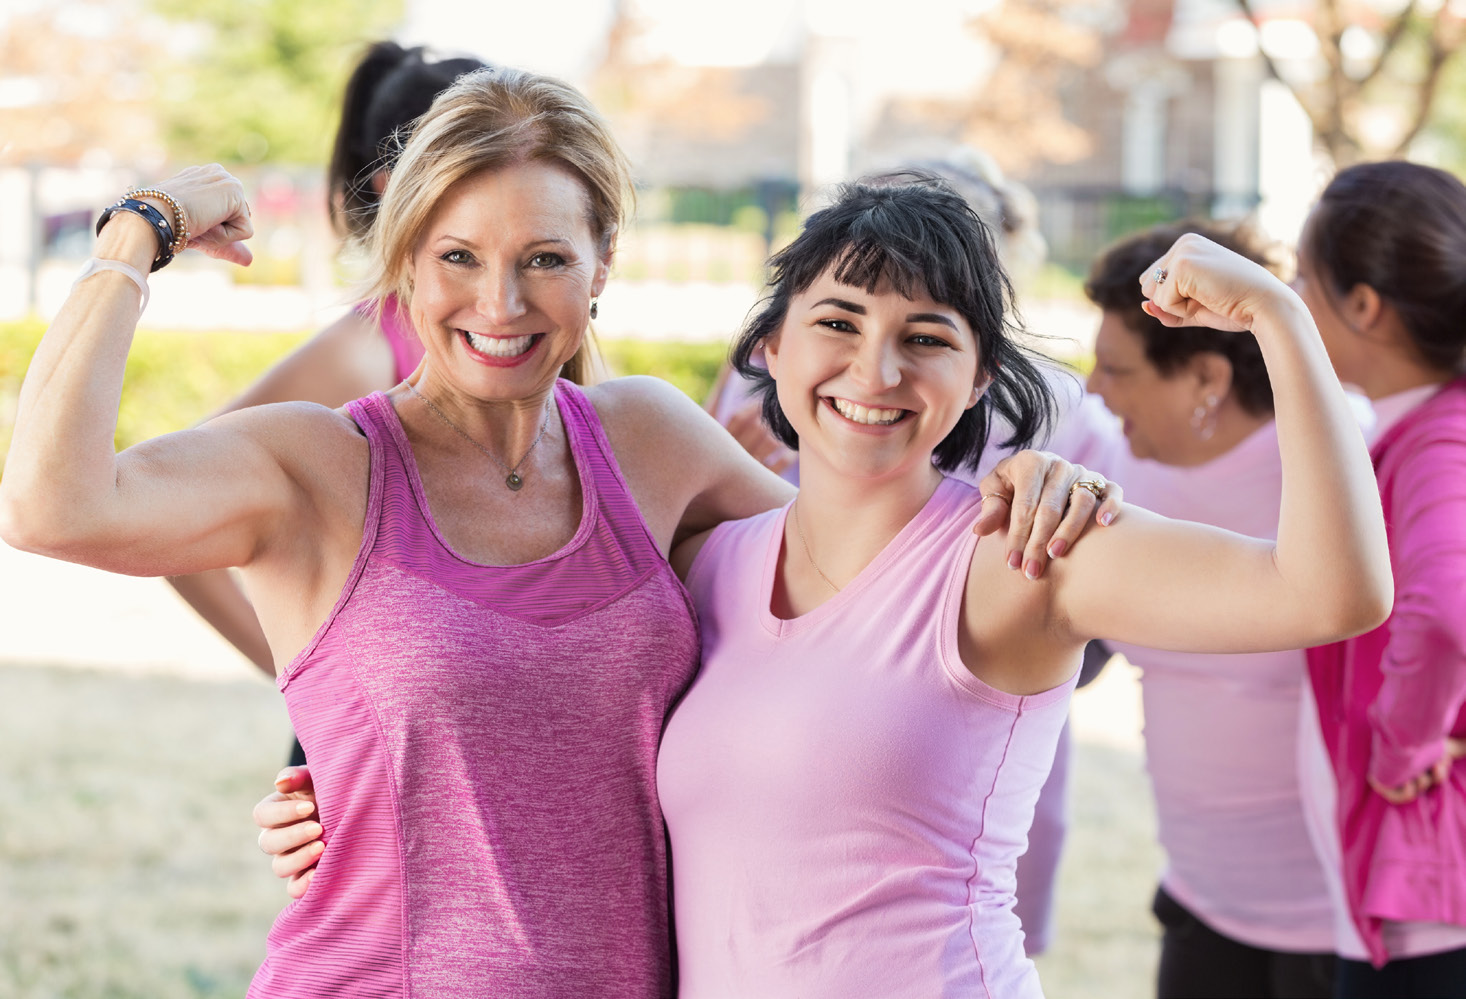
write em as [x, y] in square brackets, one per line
[370, 423]
[593, 447]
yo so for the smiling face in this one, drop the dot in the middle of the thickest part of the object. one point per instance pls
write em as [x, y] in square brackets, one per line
[1155, 409]
[503, 277]
[871, 381]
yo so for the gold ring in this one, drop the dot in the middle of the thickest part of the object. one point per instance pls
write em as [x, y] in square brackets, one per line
[1095, 487]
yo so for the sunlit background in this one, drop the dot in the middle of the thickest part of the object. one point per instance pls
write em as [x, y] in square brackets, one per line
[127, 865]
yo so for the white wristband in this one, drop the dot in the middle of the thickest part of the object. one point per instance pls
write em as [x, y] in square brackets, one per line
[95, 265]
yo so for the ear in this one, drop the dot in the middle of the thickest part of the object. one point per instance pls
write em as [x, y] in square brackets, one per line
[1213, 373]
[379, 181]
[771, 354]
[604, 260]
[984, 382]
[1363, 307]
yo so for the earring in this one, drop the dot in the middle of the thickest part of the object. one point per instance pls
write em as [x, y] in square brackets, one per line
[595, 307]
[1204, 419]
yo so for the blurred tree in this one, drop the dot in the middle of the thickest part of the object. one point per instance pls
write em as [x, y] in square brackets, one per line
[1039, 51]
[1374, 86]
[74, 83]
[263, 78]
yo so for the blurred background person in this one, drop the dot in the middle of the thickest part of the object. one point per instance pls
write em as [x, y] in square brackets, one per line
[1382, 267]
[1242, 902]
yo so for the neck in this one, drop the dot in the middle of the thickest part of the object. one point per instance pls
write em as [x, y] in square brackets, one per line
[506, 428]
[1386, 379]
[846, 521]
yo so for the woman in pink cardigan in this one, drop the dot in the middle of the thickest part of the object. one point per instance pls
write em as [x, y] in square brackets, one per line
[1382, 267]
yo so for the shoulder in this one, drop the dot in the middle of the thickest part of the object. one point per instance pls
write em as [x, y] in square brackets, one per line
[639, 398]
[646, 416]
[305, 438]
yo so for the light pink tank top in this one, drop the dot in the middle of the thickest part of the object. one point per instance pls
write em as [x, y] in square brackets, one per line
[483, 740]
[846, 801]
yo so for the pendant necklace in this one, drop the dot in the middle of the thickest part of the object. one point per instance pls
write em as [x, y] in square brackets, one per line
[794, 511]
[512, 478]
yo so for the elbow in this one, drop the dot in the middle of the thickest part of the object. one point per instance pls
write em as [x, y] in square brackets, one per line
[1363, 606]
[30, 524]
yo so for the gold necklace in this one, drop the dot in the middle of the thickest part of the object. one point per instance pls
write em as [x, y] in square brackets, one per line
[513, 479]
[794, 511]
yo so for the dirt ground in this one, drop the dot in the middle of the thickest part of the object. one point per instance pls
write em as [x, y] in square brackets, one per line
[135, 744]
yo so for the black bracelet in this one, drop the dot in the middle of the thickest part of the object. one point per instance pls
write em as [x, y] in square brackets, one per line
[162, 228]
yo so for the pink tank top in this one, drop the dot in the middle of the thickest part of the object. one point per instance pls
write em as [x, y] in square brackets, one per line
[396, 327]
[483, 741]
[846, 801]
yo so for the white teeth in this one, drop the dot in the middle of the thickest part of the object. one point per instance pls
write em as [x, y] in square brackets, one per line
[861, 414]
[500, 346]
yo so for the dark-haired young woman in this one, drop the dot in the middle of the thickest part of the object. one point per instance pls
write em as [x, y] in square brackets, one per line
[1382, 267]
[849, 779]
[364, 351]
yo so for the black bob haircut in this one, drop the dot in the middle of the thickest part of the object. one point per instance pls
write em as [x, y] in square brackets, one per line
[916, 233]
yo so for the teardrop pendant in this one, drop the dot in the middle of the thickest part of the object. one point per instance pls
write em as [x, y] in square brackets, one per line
[513, 481]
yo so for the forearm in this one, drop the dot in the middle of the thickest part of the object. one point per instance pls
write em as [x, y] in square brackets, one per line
[62, 463]
[1331, 545]
[218, 600]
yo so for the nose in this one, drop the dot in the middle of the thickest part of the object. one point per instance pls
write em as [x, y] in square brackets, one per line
[877, 366]
[500, 299]
[1092, 383]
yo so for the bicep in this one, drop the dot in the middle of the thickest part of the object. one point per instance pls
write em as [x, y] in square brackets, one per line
[198, 499]
[1183, 587]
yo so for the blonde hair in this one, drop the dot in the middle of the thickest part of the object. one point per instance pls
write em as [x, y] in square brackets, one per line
[486, 120]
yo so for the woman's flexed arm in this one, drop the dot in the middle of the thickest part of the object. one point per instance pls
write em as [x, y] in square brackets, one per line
[1192, 588]
[192, 500]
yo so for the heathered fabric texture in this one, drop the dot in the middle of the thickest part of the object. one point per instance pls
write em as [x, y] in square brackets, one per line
[483, 740]
[846, 801]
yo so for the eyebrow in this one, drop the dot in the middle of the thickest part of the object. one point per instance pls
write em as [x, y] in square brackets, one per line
[915, 317]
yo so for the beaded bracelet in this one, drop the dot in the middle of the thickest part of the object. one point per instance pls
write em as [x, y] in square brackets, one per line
[180, 221]
[155, 218]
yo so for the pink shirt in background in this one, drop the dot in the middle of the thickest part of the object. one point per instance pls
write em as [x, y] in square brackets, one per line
[1397, 874]
[846, 801]
[1221, 731]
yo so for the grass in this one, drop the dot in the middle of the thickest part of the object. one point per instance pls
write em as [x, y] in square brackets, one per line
[128, 865]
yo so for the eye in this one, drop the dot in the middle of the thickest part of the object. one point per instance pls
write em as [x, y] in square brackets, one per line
[929, 340]
[838, 325]
[457, 257]
[543, 260]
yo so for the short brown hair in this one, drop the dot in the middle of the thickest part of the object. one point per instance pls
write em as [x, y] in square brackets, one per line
[1114, 285]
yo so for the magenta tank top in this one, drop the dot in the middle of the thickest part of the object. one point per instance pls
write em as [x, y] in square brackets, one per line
[396, 327]
[483, 741]
[846, 801]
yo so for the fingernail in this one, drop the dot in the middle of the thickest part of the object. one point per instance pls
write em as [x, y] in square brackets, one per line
[1106, 518]
[304, 808]
[282, 778]
[1015, 559]
[1057, 547]
[1032, 569]
[317, 846]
